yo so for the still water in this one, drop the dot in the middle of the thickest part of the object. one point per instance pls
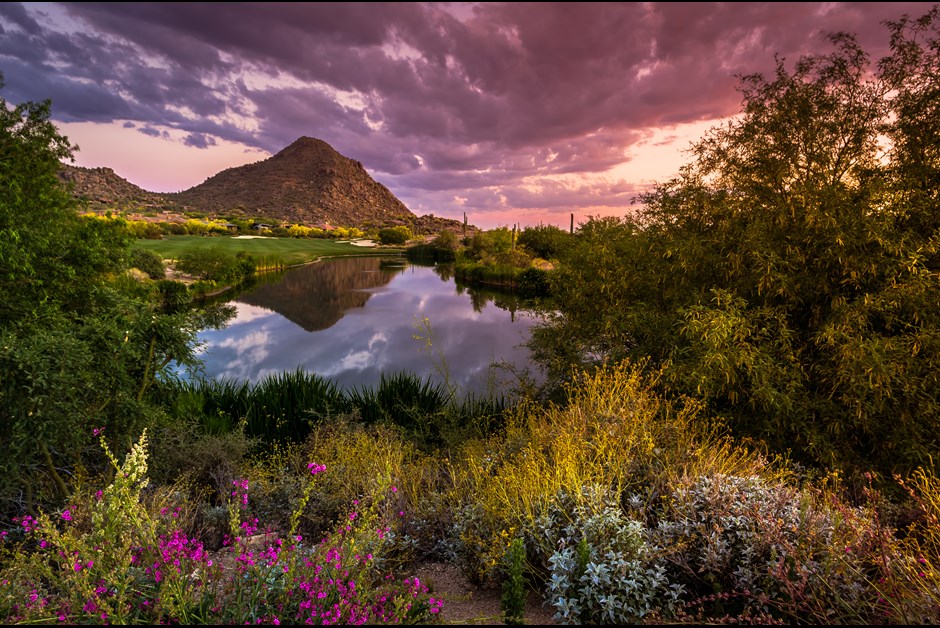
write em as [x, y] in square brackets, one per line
[351, 319]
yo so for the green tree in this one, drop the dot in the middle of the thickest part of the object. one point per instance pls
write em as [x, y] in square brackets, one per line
[788, 274]
[483, 244]
[395, 235]
[81, 344]
[216, 264]
[149, 262]
[545, 241]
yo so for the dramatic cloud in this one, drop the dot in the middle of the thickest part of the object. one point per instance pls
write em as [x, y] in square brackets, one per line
[485, 108]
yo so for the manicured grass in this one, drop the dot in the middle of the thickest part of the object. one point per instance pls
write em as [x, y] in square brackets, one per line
[289, 250]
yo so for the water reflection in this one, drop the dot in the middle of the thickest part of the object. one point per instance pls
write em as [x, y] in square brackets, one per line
[352, 319]
[315, 296]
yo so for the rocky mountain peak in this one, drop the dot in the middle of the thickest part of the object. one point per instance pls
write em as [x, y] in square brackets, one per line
[307, 182]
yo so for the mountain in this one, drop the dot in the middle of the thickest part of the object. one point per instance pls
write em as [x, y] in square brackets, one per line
[307, 182]
[102, 187]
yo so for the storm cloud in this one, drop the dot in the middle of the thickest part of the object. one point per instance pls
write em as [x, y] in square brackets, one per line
[489, 107]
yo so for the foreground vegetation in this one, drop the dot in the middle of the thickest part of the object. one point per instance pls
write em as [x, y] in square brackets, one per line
[739, 425]
[627, 508]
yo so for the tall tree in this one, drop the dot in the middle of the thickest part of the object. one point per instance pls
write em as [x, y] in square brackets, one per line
[788, 273]
[80, 342]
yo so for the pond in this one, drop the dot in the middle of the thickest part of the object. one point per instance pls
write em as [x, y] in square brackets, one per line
[352, 319]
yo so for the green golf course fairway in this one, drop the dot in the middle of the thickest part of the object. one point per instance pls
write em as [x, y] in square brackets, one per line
[290, 251]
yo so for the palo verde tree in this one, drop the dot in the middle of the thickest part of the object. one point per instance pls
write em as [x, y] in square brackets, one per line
[81, 344]
[789, 274]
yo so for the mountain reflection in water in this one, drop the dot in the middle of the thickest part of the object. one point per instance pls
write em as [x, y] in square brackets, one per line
[315, 296]
[352, 319]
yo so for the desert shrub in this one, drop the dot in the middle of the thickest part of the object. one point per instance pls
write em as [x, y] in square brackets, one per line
[213, 263]
[174, 295]
[395, 235]
[545, 241]
[916, 591]
[605, 570]
[143, 229]
[147, 261]
[298, 231]
[743, 545]
[491, 242]
[613, 431]
[208, 459]
[446, 239]
[533, 282]
[173, 228]
[443, 248]
[196, 227]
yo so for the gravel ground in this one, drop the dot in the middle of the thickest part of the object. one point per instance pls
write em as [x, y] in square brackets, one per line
[465, 603]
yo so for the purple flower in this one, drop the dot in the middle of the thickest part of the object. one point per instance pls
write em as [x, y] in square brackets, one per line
[67, 515]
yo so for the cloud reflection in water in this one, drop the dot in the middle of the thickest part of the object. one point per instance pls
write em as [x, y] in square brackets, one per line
[375, 312]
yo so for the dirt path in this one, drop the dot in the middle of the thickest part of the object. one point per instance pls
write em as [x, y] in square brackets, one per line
[465, 603]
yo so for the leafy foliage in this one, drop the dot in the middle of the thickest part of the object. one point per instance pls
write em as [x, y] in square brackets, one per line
[545, 241]
[513, 598]
[81, 344]
[789, 273]
[395, 235]
[149, 262]
[216, 264]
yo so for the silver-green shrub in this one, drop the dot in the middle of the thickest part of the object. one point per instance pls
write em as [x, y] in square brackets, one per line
[604, 569]
[751, 545]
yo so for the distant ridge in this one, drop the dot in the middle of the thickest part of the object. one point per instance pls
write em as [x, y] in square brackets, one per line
[307, 182]
[104, 187]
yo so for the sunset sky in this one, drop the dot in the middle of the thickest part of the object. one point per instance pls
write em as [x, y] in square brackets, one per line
[513, 113]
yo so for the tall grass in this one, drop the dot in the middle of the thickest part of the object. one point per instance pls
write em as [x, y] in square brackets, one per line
[286, 406]
[266, 263]
[428, 412]
[402, 399]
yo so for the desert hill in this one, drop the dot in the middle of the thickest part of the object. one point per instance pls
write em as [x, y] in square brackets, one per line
[103, 188]
[307, 182]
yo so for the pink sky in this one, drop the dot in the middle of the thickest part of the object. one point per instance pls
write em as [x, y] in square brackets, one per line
[511, 112]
